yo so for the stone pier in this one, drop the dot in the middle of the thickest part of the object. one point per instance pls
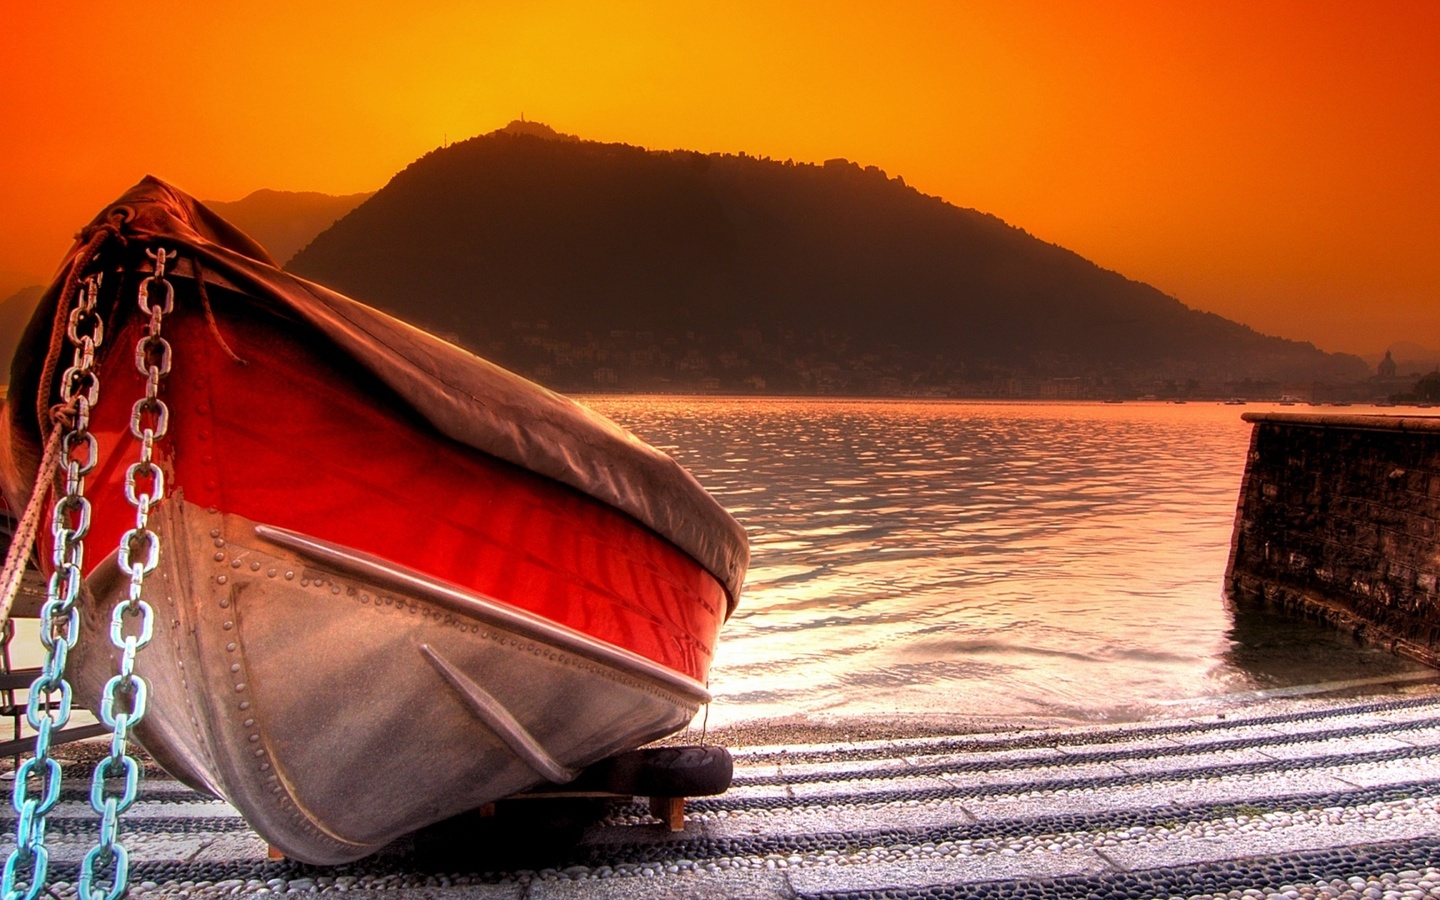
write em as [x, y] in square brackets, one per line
[1338, 520]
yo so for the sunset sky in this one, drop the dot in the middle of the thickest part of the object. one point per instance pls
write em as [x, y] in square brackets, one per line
[1277, 163]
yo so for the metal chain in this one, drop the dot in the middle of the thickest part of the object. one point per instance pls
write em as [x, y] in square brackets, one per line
[48, 707]
[126, 695]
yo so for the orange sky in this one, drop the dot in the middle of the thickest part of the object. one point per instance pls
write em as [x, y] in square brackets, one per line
[1274, 162]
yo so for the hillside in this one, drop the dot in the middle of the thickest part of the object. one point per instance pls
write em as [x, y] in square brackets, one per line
[285, 221]
[605, 265]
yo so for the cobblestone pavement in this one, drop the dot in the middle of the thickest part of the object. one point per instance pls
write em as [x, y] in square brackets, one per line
[1291, 798]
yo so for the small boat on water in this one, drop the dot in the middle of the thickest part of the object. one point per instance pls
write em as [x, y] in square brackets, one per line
[391, 582]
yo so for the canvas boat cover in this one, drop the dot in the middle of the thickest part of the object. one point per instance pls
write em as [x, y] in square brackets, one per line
[463, 396]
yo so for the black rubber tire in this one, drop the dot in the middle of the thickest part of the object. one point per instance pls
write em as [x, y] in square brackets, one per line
[693, 771]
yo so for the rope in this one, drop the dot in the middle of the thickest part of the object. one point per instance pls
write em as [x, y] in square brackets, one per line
[23, 540]
[56, 417]
[58, 329]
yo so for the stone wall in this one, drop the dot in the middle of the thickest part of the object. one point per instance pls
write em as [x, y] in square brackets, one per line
[1339, 518]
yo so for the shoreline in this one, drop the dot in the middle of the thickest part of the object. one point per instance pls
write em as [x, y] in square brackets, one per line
[801, 730]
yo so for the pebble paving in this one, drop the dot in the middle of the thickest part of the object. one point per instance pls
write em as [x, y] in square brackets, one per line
[1290, 798]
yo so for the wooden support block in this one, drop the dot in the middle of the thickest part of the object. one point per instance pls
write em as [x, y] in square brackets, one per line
[487, 811]
[272, 853]
[670, 810]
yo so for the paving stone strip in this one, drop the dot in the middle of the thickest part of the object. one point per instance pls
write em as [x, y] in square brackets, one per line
[1428, 730]
[1308, 713]
[1293, 799]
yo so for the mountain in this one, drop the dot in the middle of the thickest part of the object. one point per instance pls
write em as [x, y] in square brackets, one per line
[285, 221]
[591, 265]
[15, 312]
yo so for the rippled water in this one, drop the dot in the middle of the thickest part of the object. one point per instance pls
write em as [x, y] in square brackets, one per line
[948, 559]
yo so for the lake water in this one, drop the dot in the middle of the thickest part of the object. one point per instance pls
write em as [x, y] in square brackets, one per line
[985, 561]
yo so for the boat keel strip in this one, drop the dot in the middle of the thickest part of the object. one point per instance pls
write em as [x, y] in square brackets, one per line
[499, 720]
[364, 565]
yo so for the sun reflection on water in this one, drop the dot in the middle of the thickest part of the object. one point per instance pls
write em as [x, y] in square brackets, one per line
[976, 559]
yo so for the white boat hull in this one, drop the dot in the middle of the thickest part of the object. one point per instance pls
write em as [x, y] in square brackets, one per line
[340, 702]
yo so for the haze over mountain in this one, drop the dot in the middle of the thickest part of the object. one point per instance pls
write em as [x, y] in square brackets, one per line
[285, 221]
[589, 264]
[1409, 357]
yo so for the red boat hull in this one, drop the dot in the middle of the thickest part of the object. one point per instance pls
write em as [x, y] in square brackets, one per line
[339, 584]
[305, 440]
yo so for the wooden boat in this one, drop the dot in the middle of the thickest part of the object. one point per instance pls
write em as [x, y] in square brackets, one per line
[395, 582]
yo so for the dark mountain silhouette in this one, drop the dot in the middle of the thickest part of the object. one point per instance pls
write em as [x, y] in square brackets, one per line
[606, 265]
[15, 312]
[285, 221]
[537, 129]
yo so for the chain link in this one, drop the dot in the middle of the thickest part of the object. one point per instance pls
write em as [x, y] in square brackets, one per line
[49, 704]
[126, 696]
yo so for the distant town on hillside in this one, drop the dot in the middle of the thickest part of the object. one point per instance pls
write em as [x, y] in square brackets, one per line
[823, 363]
